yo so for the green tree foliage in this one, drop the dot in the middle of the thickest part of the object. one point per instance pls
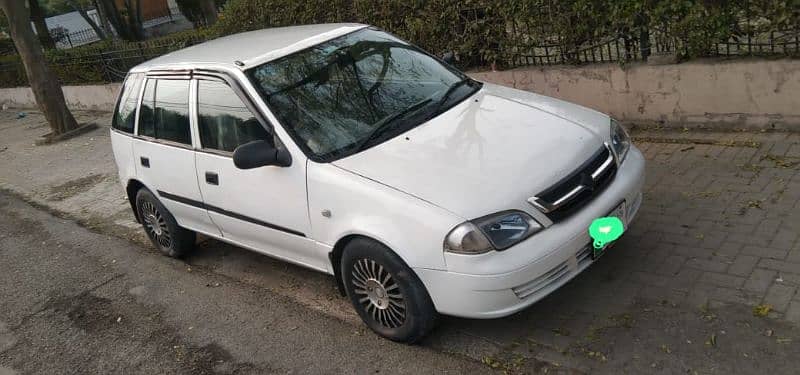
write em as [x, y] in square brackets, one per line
[55, 7]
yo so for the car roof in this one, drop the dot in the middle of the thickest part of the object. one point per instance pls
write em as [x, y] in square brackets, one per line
[248, 49]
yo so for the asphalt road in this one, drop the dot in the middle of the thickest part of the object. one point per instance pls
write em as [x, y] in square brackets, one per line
[75, 301]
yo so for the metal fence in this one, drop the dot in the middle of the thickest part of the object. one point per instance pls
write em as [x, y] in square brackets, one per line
[65, 39]
[622, 49]
[111, 65]
[73, 39]
[537, 42]
[549, 32]
[114, 65]
[97, 65]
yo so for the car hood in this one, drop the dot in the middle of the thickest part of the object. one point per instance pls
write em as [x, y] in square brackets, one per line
[489, 153]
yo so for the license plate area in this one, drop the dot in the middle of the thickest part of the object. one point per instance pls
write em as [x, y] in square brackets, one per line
[618, 212]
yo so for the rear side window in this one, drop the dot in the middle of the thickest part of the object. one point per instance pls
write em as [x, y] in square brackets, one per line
[164, 113]
[125, 114]
[224, 120]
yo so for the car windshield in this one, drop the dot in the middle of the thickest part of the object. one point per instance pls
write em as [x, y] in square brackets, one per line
[353, 92]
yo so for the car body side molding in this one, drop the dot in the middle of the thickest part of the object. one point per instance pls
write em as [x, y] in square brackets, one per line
[192, 202]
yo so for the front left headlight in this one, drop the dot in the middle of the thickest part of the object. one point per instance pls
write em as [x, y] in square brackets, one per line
[493, 232]
[620, 140]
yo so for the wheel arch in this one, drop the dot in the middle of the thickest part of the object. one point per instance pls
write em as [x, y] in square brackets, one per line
[335, 256]
[132, 187]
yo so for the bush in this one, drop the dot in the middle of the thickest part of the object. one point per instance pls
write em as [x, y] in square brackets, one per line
[489, 31]
[12, 73]
[481, 32]
[102, 61]
[7, 47]
[435, 25]
[239, 16]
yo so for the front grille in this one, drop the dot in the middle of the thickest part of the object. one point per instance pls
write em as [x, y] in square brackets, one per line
[577, 189]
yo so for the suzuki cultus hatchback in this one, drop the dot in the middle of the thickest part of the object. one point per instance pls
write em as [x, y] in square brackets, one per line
[346, 150]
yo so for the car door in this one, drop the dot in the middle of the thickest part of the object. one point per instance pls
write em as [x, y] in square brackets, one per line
[266, 208]
[164, 154]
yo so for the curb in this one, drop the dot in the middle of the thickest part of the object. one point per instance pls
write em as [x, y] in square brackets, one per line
[85, 221]
[50, 139]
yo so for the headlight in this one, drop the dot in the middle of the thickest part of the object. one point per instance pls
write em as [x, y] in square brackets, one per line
[620, 140]
[494, 232]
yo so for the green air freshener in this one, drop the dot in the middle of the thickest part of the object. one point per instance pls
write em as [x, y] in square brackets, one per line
[605, 230]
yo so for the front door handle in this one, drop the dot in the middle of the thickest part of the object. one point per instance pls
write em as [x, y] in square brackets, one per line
[212, 178]
[145, 161]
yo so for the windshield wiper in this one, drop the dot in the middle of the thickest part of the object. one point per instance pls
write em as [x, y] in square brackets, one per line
[387, 122]
[446, 96]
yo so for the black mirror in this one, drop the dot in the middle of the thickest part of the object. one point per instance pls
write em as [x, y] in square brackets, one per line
[257, 154]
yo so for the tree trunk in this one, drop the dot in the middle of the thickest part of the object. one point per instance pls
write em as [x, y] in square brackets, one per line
[134, 18]
[44, 83]
[112, 15]
[137, 20]
[104, 24]
[89, 20]
[209, 11]
[37, 16]
[121, 19]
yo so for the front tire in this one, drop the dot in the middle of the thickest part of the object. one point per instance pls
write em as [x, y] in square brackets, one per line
[161, 228]
[386, 293]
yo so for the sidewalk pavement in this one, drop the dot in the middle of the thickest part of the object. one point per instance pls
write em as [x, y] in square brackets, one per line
[76, 177]
[714, 248]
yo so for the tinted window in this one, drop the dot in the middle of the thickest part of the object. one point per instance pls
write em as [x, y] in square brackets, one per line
[126, 107]
[224, 120]
[146, 121]
[165, 110]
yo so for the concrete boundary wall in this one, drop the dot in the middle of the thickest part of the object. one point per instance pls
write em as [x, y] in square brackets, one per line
[748, 93]
[91, 97]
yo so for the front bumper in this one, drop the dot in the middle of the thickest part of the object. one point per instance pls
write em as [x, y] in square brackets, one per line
[565, 252]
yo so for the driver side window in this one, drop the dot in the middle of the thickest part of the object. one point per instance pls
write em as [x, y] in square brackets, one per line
[224, 120]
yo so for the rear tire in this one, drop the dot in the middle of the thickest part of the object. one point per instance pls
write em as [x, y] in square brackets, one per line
[161, 228]
[386, 293]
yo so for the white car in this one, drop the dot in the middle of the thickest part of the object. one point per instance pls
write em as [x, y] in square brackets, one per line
[344, 149]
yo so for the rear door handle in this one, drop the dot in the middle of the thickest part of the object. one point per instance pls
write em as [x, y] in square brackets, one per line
[212, 178]
[145, 162]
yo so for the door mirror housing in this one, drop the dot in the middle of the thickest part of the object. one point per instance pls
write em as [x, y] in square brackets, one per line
[258, 154]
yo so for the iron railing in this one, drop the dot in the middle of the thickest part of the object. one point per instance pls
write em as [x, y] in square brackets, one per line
[624, 49]
[97, 65]
[74, 39]
[71, 39]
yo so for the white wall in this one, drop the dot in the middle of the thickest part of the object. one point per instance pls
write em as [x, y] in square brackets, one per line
[749, 93]
[734, 94]
[94, 97]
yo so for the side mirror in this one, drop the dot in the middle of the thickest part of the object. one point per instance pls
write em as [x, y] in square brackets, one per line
[257, 154]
